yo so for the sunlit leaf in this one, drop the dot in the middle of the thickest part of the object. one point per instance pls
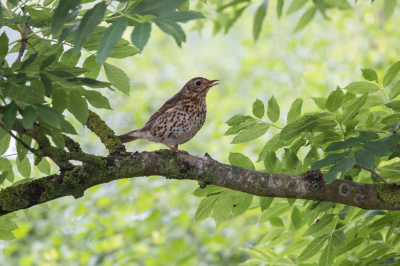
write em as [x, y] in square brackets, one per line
[252, 133]
[370, 74]
[78, 106]
[273, 110]
[117, 77]
[335, 100]
[305, 19]
[141, 34]
[239, 160]
[313, 248]
[391, 74]
[258, 109]
[258, 19]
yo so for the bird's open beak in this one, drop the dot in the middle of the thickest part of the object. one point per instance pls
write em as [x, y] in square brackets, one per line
[211, 83]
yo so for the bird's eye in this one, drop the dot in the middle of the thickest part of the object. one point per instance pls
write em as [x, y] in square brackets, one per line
[198, 83]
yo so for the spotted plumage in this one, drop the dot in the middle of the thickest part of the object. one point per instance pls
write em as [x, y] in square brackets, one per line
[179, 119]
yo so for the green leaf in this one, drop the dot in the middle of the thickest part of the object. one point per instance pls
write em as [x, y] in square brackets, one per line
[313, 248]
[3, 45]
[364, 158]
[258, 19]
[348, 143]
[376, 148]
[48, 61]
[244, 125]
[391, 120]
[305, 19]
[111, 37]
[123, 52]
[236, 120]
[155, 7]
[5, 165]
[338, 238]
[326, 136]
[117, 77]
[251, 133]
[90, 20]
[272, 163]
[141, 34]
[3, 176]
[391, 73]
[294, 129]
[239, 160]
[78, 106]
[68, 58]
[328, 255]
[24, 167]
[265, 203]
[369, 135]
[90, 63]
[61, 14]
[206, 206]
[29, 61]
[279, 8]
[241, 202]
[361, 87]
[96, 99]
[389, 7]
[10, 113]
[276, 210]
[184, 7]
[329, 160]
[37, 15]
[273, 110]
[68, 31]
[332, 173]
[46, 83]
[369, 74]
[258, 109]
[29, 117]
[276, 221]
[57, 138]
[395, 91]
[350, 111]
[172, 28]
[395, 105]
[296, 218]
[346, 164]
[293, 164]
[272, 145]
[4, 143]
[49, 115]
[223, 207]
[318, 226]
[393, 226]
[208, 190]
[181, 16]
[6, 235]
[1, 20]
[44, 166]
[59, 99]
[343, 213]
[335, 100]
[295, 5]
[295, 109]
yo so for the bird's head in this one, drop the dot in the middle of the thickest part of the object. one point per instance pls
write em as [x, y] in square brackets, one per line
[198, 87]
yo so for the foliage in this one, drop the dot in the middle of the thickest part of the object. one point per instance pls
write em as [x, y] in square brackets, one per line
[48, 84]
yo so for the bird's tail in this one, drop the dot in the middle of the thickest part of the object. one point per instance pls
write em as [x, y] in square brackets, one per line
[128, 137]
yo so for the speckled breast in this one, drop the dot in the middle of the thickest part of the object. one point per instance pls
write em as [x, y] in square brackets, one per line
[180, 124]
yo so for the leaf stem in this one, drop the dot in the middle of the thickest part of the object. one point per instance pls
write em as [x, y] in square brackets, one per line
[371, 171]
[340, 124]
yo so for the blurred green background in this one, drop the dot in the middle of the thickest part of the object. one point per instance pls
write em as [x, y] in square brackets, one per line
[150, 221]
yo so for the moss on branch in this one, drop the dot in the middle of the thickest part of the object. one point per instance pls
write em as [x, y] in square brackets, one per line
[106, 134]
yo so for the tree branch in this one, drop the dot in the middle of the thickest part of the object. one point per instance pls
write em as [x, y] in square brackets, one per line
[26, 146]
[205, 170]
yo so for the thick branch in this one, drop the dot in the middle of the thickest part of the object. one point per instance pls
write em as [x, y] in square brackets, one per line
[205, 170]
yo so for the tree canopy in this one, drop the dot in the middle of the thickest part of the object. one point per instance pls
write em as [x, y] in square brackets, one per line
[308, 98]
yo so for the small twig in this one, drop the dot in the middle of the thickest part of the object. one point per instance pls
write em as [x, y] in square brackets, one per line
[23, 41]
[19, 140]
[371, 171]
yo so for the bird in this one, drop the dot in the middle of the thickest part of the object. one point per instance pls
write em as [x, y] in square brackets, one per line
[179, 119]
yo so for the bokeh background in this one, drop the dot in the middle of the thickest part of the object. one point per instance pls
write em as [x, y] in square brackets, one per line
[150, 221]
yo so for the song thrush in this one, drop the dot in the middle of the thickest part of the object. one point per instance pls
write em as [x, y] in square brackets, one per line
[179, 119]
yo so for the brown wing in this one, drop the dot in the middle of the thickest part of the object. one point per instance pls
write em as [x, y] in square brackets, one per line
[167, 105]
